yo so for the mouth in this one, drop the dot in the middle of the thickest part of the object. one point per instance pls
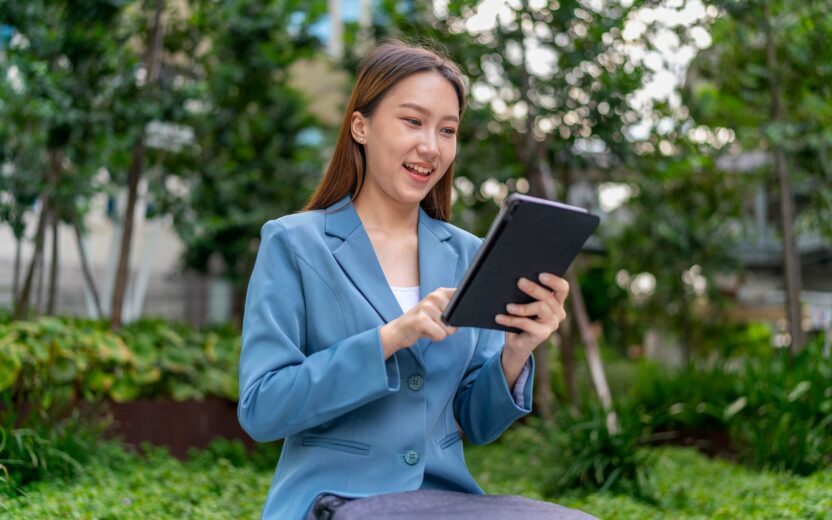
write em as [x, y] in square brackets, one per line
[418, 170]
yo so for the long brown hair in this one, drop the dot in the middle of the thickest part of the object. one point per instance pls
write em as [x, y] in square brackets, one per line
[382, 69]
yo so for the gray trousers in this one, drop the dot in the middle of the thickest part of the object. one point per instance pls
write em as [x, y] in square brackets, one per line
[440, 505]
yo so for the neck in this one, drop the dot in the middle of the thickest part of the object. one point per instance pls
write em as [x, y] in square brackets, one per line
[378, 212]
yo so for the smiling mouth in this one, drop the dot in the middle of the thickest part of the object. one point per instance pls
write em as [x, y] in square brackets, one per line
[418, 170]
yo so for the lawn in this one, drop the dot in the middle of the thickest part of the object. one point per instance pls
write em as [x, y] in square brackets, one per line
[223, 484]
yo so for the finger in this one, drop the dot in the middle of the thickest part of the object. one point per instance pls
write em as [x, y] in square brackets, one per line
[534, 328]
[538, 308]
[537, 291]
[557, 284]
[447, 328]
[442, 296]
[437, 331]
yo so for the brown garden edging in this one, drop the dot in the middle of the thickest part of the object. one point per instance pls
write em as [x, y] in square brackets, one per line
[178, 425]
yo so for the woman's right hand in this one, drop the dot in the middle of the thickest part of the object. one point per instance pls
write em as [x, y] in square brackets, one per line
[423, 320]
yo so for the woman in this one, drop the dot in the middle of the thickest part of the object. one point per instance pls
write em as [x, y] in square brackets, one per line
[344, 351]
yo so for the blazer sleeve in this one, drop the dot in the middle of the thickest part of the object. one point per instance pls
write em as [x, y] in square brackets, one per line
[282, 390]
[484, 406]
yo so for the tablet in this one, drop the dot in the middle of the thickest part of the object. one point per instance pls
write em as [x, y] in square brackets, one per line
[528, 237]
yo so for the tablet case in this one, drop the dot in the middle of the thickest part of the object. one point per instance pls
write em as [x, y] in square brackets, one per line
[529, 236]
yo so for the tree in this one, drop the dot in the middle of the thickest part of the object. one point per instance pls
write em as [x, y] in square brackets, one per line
[67, 60]
[681, 225]
[777, 98]
[252, 160]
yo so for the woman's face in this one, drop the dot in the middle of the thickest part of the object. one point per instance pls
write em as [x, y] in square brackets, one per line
[410, 139]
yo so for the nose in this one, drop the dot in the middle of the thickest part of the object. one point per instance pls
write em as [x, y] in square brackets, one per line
[429, 147]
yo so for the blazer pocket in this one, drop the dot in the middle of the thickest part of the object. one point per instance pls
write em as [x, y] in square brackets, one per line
[347, 446]
[449, 440]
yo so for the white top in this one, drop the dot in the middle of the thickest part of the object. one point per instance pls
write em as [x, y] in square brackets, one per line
[408, 297]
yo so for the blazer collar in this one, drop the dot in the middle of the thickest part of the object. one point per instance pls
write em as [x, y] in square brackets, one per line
[356, 256]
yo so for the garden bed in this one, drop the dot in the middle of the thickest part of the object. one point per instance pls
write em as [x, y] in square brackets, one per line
[177, 425]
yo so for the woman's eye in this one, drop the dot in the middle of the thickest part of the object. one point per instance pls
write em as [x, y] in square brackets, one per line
[449, 131]
[414, 122]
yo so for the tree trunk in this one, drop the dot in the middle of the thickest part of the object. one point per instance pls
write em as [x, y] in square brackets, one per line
[593, 353]
[18, 246]
[53, 267]
[39, 287]
[153, 64]
[543, 397]
[791, 256]
[21, 307]
[567, 359]
[85, 267]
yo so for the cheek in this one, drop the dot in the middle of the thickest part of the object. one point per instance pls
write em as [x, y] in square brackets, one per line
[448, 151]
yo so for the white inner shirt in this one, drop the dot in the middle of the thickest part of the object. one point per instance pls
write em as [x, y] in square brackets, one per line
[408, 297]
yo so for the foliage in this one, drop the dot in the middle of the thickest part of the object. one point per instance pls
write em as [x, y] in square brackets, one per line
[51, 362]
[250, 162]
[48, 447]
[73, 75]
[150, 483]
[54, 373]
[782, 418]
[588, 456]
[680, 232]
[689, 485]
[743, 100]
[778, 411]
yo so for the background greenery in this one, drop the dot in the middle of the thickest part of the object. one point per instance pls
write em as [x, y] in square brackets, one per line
[84, 84]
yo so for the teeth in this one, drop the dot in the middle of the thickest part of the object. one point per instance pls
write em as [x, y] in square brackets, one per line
[418, 169]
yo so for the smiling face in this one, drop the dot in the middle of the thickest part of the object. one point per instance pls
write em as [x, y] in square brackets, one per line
[410, 139]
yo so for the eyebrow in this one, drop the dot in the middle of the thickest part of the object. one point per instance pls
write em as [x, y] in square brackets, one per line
[425, 111]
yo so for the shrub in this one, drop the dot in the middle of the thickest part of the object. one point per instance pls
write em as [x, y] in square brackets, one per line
[53, 372]
[65, 359]
[585, 454]
[783, 417]
[47, 448]
[777, 408]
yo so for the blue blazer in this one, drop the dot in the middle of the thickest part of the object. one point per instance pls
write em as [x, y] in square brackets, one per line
[312, 369]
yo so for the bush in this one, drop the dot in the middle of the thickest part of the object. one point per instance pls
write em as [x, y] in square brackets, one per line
[47, 448]
[586, 455]
[777, 408]
[54, 371]
[59, 360]
[783, 417]
[691, 397]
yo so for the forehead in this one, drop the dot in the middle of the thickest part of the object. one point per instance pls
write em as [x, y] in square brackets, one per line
[428, 89]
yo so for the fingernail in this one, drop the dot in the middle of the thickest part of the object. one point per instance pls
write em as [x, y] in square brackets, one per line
[498, 318]
[510, 307]
[545, 277]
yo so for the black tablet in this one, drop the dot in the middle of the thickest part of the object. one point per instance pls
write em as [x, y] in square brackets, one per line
[530, 236]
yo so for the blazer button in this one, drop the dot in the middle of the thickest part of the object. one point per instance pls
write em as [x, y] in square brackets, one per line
[411, 457]
[415, 382]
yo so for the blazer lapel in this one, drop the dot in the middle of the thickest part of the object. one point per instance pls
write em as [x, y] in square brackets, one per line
[356, 256]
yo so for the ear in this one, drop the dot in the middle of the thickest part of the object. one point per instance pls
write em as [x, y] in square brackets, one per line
[359, 127]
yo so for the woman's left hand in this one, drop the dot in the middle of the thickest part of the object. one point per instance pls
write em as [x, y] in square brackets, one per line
[548, 309]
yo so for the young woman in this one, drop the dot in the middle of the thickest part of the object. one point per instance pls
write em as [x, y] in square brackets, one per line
[344, 351]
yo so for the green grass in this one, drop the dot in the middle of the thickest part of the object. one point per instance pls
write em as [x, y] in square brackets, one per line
[122, 485]
[684, 485]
